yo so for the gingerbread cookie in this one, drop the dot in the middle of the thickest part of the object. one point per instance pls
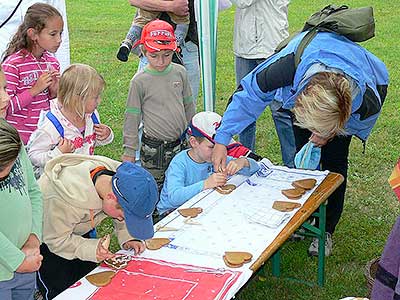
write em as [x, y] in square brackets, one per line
[293, 194]
[118, 262]
[285, 206]
[192, 212]
[156, 243]
[306, 184]
[236, 259]
[101, 279]
[225, 189]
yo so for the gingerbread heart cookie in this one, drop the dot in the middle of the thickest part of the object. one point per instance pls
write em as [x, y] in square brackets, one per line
[293, 194]
[156, 243]
[285, 206]
[236, 259]
[306, 184]
[225, 189]
[118, 262]
[192, 212]
[101, 279]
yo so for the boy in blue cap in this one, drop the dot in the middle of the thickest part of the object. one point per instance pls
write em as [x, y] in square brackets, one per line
[80, 191]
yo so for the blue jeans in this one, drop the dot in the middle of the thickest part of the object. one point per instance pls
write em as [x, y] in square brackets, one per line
[282, 118]
[20, 287]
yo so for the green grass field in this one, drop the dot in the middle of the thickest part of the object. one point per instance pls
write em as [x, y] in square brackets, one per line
[96, 29]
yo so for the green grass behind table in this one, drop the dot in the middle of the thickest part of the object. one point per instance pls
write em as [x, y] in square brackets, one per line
[96, 29]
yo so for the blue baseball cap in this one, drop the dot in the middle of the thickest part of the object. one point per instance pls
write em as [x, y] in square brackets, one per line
[137, 193]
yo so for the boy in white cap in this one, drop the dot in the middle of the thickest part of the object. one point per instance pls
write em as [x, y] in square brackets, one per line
[191, 171]
[159, 96]
[79, 191]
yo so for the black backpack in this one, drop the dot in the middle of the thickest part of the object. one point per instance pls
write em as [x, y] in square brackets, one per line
[357, 24]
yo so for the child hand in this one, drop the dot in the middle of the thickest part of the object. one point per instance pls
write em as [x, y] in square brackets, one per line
[236, 165]
[137, 246]
[101, 252]
[102, 131]
[215, 179]
[31, 263]
[31, 246]
[41, 84]
[128, 158]
[66, 146]
[55, 78]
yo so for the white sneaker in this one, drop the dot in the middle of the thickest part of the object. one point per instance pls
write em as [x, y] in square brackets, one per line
[313, 249]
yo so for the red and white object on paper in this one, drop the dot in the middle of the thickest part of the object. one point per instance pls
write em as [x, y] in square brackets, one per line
[147, 279]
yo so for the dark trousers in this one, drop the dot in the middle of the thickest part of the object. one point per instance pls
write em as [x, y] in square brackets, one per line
[334, 157]
[57, 274]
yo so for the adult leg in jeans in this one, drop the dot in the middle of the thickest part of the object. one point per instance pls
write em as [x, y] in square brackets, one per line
[243, 67]
[334, 157]
[284, 129]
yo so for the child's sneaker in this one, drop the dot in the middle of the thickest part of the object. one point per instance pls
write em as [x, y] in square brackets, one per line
[313, 249]
[124, 50]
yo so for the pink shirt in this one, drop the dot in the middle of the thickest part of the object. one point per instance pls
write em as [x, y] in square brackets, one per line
[22, 70]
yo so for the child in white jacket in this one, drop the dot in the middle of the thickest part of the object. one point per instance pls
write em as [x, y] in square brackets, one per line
[72, 125]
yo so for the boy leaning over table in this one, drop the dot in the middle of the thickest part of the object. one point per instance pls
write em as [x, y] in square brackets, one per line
[79, 191]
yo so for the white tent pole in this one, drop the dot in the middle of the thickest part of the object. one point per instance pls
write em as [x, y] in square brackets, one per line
[206, 15]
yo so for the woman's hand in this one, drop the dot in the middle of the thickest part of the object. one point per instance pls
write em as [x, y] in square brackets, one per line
[219, 158]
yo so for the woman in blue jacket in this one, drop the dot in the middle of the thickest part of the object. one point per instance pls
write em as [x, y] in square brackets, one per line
[336, 91]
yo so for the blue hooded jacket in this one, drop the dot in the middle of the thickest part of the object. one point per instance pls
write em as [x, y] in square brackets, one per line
[278, 78]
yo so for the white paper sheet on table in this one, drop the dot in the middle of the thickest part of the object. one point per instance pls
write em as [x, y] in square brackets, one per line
[225, 223]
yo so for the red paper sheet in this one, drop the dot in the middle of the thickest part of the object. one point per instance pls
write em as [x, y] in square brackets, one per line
[147, 279]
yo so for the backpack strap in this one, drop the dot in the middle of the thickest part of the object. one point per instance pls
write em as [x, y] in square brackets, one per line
[53, 119]
[94, 118]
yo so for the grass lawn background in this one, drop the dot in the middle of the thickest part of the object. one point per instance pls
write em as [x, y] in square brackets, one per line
[96, 29]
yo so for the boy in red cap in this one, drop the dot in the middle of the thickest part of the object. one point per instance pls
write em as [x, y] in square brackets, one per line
[160, 97]
[142, 18]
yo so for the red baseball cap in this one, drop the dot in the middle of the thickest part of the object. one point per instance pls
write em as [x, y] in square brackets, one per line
[158, 35]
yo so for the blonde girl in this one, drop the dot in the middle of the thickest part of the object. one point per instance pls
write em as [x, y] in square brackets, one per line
[72, 124]
[20, 218]
[31, 69]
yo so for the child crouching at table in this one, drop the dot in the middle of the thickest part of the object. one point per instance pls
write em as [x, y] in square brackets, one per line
[191, 171]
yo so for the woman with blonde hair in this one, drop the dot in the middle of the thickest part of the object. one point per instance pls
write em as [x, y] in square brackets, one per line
[20, 217]
[72, 125]
[336, 91]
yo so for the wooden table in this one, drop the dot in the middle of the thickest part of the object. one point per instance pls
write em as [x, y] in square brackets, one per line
[316, 203]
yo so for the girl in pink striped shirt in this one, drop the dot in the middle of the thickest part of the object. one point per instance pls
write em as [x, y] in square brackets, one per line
[31, 69]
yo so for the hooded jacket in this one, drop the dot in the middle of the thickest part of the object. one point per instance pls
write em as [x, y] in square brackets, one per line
[260, 25]
[72, 207]
[278, 78]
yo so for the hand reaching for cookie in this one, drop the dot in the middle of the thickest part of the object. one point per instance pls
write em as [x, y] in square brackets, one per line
[236, 165]
[215, 179]
[137, 246]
